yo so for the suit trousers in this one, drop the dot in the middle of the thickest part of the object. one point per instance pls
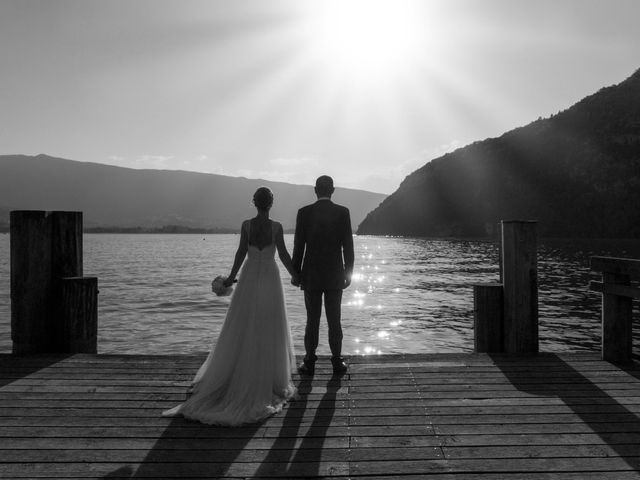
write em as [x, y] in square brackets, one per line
[313, 302]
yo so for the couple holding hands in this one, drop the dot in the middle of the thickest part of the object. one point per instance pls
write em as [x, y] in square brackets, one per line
[247, 376]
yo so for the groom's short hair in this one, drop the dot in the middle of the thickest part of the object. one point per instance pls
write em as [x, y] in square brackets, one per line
[324, 186]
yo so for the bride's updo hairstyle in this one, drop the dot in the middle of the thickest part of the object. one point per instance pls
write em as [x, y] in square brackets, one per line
[263, 198]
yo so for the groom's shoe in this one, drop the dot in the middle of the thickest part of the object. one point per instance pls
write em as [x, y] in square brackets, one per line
[307, 368]
[339, 367]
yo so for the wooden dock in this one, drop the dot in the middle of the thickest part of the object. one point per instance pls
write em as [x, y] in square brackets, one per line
[444, 416]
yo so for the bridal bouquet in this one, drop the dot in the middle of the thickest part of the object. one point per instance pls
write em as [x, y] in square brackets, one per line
[217, 287]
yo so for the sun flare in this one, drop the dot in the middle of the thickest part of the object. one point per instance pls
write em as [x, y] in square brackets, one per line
[366, 41]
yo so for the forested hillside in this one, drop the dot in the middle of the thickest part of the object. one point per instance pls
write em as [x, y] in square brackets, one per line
[577, 173]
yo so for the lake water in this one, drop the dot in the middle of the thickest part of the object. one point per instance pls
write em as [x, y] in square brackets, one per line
[408, 295]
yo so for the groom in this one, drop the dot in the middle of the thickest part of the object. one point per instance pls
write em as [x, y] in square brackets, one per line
[323, 254]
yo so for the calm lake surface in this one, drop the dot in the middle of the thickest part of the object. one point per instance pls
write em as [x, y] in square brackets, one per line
[408, 295]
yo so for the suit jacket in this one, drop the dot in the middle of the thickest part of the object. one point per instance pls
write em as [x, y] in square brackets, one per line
[323, 246]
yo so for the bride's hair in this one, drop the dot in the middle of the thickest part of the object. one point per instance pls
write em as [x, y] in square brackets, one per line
[263, 198]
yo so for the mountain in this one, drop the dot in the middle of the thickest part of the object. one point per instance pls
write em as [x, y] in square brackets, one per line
[114, 196]
[577, 173]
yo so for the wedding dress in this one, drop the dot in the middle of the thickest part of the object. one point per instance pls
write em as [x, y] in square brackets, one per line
[247, 376]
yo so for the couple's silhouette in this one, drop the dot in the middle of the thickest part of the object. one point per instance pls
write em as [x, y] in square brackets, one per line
[247, 376]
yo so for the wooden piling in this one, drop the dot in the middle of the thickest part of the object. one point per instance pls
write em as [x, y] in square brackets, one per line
[31, 282]
[66, 261]
[617, 296]
[488, 317]
[616, 322]
[520, 280]
[79, 314]
[45, 247]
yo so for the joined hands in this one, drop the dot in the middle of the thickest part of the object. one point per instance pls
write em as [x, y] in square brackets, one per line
[228, 282]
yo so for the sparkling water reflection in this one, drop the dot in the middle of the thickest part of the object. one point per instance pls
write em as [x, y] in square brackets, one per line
[408, 295]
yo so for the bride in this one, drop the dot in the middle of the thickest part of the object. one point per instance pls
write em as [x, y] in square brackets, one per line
[247, 376]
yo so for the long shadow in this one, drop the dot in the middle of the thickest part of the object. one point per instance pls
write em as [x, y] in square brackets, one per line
[590, 405]
[16, 367]
[187, 448]
[305, 462]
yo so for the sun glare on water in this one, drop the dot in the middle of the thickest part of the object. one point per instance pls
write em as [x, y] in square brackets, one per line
[367, 42]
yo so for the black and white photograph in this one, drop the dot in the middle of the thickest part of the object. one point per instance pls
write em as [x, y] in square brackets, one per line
[333, 239]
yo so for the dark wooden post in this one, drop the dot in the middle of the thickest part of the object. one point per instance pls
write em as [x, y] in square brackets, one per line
[45, 247]
[617, 326]
[31, 281]
[66, 261]
[520, 280]
[79, 314]
[617, 296]
[488, 316]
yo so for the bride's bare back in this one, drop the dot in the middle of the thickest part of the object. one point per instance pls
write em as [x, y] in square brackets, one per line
[260, 232]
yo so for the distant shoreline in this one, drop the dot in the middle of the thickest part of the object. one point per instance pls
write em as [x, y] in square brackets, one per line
[163, 229]
[178, 229]
[159, 230]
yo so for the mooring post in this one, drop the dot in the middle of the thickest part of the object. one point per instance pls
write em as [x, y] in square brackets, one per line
[79, 314]
[520, 283]
[488, 318]
[45, 248]
[617, 325]
[31, 322]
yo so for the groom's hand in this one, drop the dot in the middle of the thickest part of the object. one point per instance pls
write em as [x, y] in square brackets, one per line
[347, 280]
[295, 280]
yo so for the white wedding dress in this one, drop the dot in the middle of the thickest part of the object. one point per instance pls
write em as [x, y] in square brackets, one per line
[247, 376]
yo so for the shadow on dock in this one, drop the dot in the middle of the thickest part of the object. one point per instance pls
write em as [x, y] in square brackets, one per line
[16, 367]
[191, 449]
[615, 424]
[305, 462]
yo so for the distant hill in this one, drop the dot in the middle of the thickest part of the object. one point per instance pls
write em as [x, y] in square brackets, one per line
[126, 198]
[577, 173]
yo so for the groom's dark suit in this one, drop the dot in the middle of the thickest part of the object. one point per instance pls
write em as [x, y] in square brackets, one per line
[323, 253]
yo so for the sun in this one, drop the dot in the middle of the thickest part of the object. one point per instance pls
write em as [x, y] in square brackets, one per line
[366, 42]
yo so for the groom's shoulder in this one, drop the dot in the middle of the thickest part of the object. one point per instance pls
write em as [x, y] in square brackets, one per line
[306, 208]
[342, 208]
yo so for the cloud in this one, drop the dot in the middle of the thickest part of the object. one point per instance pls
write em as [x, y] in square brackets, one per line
[153, 161]
[297, 177]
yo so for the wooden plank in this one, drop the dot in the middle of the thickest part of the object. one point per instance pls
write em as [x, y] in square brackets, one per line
[199, 455]
[543, 439]
[173, 470]
[463, 467]
[544, 451]
[303, 418]
[615, 289]
[537, 428]
[211, 444]
[619, 266]
[208, 431]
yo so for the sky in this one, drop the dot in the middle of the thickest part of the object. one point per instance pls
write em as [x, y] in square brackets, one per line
[366, 91]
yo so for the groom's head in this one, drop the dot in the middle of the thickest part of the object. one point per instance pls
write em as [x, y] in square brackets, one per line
[324, 186]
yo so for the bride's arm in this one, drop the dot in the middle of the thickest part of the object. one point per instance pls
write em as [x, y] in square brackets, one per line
[240, 254]
[285, 258]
